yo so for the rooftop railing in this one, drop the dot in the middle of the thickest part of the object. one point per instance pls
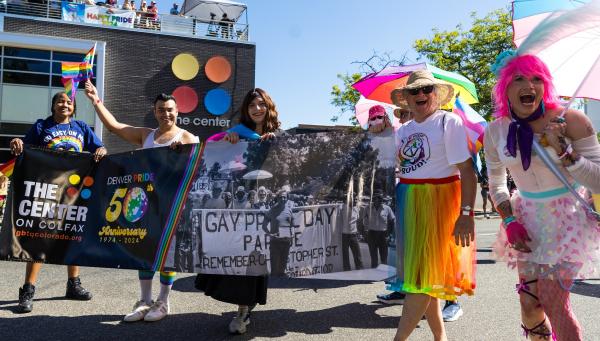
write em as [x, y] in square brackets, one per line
[111, 17]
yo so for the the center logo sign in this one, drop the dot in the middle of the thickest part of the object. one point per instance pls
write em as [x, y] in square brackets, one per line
[216, 101]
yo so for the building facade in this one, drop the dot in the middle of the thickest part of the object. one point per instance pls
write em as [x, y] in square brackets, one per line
[132, 66]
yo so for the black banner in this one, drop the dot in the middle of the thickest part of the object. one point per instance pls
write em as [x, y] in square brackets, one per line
[64, 208]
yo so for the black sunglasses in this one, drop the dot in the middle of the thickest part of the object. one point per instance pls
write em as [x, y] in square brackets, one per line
[426, 90]
[376, 118]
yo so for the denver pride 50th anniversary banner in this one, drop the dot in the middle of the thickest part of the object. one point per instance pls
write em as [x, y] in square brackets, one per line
[297, 205]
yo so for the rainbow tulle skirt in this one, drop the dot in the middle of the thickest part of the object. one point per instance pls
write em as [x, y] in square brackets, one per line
[428, 260]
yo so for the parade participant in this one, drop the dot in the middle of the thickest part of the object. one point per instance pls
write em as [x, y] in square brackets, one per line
[259, 114]
[60, 131]
[545, 232]
[436, 193]
[396, 297]
[167, 134]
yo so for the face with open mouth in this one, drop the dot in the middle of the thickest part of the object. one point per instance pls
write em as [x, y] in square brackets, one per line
[257, 109]
[423, 102]
[525, 94]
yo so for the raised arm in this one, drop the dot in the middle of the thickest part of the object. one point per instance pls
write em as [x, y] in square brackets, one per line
[135, 135]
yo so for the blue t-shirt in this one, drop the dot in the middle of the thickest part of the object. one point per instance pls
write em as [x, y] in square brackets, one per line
[75, 136]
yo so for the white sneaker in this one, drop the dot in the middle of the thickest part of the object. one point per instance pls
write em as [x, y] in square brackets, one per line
[240, 321]
[452, 311]
[158, 311]
[140, 309]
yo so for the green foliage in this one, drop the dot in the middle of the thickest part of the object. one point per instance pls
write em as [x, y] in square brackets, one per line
[471, 52]
[344, 97]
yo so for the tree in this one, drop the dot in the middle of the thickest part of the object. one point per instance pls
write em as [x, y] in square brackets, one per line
[344, 97]
[471, 52]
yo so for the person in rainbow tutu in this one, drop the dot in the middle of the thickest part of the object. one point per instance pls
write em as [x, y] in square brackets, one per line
[546, 233]
[435, 196]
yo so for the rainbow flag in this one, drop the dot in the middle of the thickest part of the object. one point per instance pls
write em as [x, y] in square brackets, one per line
[474, 128]
[8, 167]
[70, 85]
[75, 72]
[89, 62]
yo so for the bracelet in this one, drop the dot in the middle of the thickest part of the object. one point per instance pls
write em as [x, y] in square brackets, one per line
[567, 151]
[509, 220]
[98, 101]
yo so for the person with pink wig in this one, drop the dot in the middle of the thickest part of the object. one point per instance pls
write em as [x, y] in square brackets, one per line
[545, 233]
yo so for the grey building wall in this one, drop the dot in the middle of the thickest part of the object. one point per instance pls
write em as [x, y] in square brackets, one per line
[138, 67]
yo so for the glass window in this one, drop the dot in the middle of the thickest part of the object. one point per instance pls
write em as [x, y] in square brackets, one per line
[29, 79]
[25, 78]
[26, 65]
[26, 53]
[68, 57]
[24, 103]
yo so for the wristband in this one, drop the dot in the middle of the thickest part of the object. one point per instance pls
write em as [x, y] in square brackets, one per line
[98, 101]
[508, 220]
[468, 211]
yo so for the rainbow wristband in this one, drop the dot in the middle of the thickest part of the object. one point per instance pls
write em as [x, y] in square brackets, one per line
[508, 220]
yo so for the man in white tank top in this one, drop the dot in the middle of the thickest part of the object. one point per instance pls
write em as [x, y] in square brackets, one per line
[167, 134]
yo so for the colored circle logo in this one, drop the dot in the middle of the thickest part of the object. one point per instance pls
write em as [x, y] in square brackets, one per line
[186, 98]
[86, 193]
[88, 181]
[218, 69]
[135, 204]
[74, 179]
[185, 66]
[72, 192]
[217, 101]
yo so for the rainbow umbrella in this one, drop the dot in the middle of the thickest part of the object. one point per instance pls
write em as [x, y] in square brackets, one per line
[378, 86]
[527, 14]
[569, 44]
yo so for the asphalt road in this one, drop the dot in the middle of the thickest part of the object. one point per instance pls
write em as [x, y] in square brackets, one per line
[296, 309]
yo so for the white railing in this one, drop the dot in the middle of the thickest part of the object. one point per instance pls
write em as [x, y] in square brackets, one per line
[176, 24]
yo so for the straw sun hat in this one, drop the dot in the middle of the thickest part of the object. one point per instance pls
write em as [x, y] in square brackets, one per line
[419, 79]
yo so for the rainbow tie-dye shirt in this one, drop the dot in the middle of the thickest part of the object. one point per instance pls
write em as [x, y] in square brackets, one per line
[75, 136]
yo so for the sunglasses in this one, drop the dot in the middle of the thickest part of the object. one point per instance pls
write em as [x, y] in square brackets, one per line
[376, 118]
[426, 90]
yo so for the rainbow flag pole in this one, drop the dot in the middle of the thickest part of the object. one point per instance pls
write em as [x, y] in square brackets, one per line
[75, 72]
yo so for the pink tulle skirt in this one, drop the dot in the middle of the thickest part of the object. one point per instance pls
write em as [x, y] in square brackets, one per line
[565, 241]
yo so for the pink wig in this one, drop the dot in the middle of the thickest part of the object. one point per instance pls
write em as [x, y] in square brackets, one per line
[525, 65]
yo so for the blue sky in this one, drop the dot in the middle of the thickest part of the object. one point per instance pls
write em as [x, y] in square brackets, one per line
[301, 46]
